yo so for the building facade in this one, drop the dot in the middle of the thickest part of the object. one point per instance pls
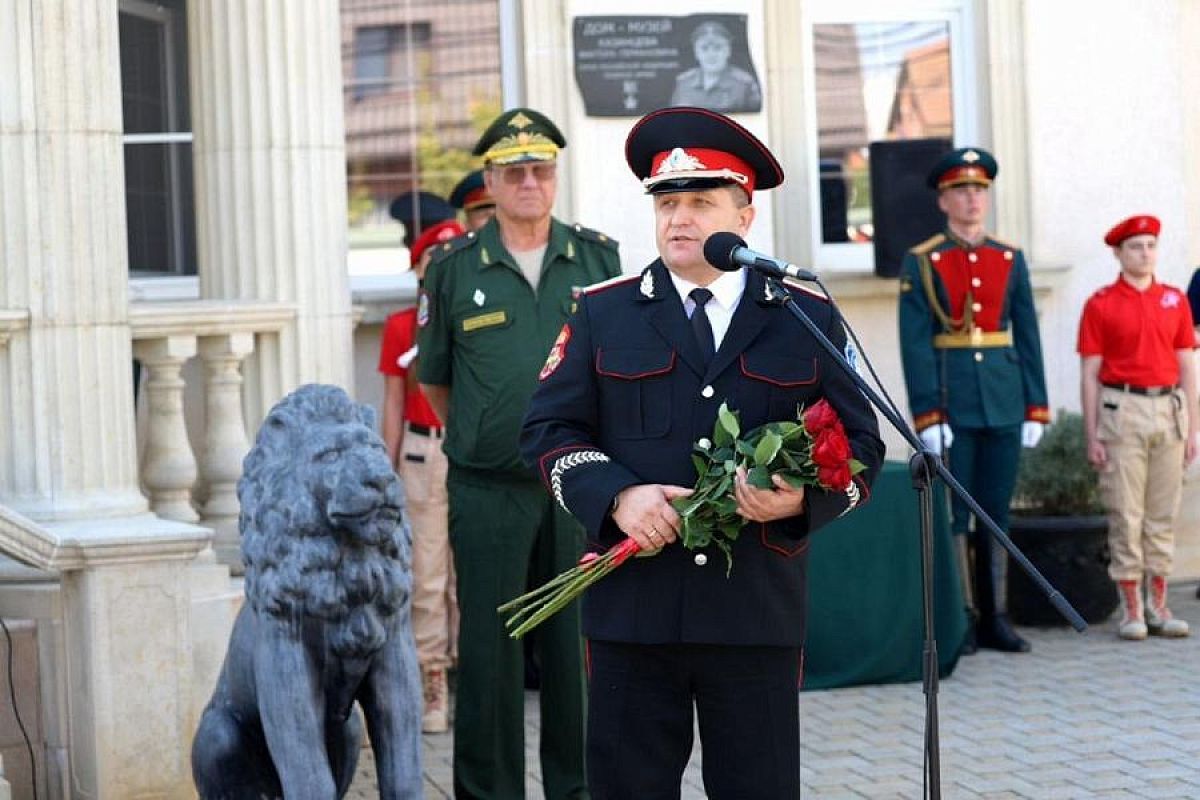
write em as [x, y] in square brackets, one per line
[198, 186]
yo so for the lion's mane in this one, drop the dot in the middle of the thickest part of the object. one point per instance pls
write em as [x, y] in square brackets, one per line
[300, 560]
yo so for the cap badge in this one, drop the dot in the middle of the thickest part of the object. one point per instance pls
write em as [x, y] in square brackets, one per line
[970, 157]
[679, 160]
[479, 297]
[519, 121]
[647, 287]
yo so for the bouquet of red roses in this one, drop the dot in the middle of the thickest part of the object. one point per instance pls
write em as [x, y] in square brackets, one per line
[813, 450]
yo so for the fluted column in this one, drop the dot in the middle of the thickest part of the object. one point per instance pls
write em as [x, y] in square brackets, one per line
[168, 464]
[67, 448]
[225, 440]
[67, 445]
[269, 151]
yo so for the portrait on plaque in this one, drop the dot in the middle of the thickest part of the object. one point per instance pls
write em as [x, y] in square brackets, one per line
[627, 66]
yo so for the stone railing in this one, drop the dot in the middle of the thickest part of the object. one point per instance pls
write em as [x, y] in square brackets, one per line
[222, 334]
[11, 322]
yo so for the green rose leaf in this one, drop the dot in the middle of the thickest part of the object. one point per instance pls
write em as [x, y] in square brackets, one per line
[759, 478]
[728, 421]
[767, 447]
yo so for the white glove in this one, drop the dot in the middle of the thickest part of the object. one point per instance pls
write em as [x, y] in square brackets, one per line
[1031, 433]
[937, 438]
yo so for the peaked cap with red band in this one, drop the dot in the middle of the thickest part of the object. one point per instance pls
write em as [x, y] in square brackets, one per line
[441, 232]
[686, 149]
[967, 165]
[1140, 225]
[470, 193]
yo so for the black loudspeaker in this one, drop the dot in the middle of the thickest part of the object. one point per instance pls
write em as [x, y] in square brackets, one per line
[833, 202]
[903, 209]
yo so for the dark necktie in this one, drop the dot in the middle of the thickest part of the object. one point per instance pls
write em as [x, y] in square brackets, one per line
[700, 324]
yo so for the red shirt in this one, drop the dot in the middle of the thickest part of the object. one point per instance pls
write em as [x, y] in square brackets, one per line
[1136, 334]
[399, 337]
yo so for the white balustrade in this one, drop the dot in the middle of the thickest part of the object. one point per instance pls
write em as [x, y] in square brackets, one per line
[168, 468]
[225, 439]
[223, 335]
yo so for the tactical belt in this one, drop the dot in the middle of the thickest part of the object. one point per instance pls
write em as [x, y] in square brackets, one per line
[1148, 391]
[972, 340]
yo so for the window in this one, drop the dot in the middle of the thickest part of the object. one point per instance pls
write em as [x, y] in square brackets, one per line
[389, 58]
[879, 72]
[159, 202]
[420, 83]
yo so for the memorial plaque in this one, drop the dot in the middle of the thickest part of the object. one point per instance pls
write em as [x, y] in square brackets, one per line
[628, 66]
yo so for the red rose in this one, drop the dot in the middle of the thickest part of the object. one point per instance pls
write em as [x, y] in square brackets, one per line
[836, 478]
[819, 417]
[831, 449]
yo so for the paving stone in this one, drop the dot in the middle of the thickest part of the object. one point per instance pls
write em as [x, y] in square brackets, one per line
[1073, 720]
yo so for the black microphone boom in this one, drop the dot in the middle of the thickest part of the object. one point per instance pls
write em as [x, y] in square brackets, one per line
[728, 252]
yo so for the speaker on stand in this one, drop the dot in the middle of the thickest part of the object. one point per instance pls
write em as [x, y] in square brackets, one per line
[904, 209]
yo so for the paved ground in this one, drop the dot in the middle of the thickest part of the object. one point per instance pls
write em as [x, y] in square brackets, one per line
[1082, 716]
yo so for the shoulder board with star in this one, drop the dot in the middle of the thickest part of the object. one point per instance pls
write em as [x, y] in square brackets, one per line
[594, 236]
[455, 245]
[797, 286]
[930, 244]
[610, 283]
[1001, 243]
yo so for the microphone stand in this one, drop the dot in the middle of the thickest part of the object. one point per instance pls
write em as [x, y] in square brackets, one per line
[922, 467]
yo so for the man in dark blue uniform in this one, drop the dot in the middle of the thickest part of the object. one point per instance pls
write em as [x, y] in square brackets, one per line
[633, 381]
[973, 367]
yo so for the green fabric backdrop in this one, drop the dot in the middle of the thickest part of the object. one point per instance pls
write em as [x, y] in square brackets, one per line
[864, 591]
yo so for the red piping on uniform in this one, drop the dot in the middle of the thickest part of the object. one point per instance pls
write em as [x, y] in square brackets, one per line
[774, 382]
[800, 548]
[670, 366]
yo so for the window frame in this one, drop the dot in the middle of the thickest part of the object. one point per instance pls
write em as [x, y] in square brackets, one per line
[167, 18]
[959, 15]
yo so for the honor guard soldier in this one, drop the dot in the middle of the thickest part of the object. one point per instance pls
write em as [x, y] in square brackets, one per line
[472, 197]
[634, 381]
[1138, 385]
[492, 304]
[413, 435]
[972, 361]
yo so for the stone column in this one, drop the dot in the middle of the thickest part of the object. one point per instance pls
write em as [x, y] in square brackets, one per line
[168, 465]
[225, 440]
[66, 420]
[67, 447]
[269, 152]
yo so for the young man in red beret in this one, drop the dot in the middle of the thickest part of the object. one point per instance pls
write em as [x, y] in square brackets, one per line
[1143, 426]
[412, 432]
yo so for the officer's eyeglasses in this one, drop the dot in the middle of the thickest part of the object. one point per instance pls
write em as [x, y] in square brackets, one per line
[515, 174]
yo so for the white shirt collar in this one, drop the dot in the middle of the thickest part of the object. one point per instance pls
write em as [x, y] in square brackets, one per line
[727, 290]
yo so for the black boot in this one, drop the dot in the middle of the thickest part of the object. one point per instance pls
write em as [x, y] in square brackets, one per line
[963, 551]
[994, 629]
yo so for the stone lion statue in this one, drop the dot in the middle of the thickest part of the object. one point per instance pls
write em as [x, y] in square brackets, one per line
[326, 620]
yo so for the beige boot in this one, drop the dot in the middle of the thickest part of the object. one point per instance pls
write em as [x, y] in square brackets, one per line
[1132, 627]
[436, 718]
[1159, 619]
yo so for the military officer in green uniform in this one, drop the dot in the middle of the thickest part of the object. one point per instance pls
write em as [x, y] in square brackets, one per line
[493, 302]
[973, 367]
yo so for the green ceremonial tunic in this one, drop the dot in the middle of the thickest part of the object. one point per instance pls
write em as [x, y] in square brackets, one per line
[486, 334]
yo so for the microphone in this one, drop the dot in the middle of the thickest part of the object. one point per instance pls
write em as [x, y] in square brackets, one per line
[728, 252]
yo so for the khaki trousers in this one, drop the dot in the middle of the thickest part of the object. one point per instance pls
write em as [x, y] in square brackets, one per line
[434, 607]
[1142, 482]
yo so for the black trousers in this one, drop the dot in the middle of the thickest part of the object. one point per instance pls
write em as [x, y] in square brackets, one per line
[639, 732]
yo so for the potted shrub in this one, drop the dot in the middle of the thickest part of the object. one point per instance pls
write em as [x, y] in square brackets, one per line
[1058, 523]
